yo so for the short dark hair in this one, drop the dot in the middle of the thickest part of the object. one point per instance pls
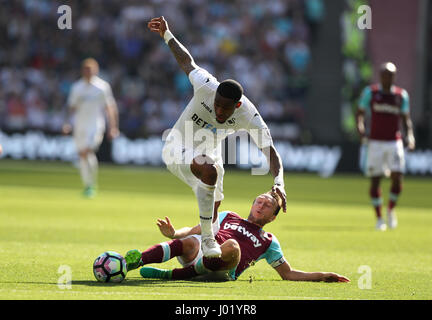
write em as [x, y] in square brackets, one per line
[230, 89]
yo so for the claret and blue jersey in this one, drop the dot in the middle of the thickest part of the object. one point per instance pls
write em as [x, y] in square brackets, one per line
[385, 110]
[255, 244]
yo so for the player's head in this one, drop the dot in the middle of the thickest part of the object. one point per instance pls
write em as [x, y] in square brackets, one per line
[227, 99]
[265, 208]
[387, 74]
[89, 68]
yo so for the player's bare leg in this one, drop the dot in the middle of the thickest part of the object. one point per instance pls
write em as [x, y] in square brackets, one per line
[230, 258]
[190, 249]
[88, 170]
[203, 168]
[215, 211]
[375, 194]
[395, 190]
[186, 248]
[231, 253]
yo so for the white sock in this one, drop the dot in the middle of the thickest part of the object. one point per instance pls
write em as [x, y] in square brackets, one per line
[205, 195]
[85, 171]
[93, 165]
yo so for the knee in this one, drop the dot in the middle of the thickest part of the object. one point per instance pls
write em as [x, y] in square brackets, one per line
[189, 244]
[396, 179]
[209, 175]
[396, 185]
[204, 169]
[375, 183]
[83, 154]
[231, 251]
[190, 248]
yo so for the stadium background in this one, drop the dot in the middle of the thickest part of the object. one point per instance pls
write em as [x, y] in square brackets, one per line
[302, 63]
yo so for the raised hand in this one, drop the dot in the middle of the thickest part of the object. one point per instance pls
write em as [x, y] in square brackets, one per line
[166, 228]
[158, 25]
[113, 133]
[280, 190]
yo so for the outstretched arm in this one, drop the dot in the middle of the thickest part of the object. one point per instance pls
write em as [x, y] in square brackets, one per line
[408, 126]
[112, 115]
[360, 124]
[276, 169]
[67, 126]
[168, 230]
[181, 54]
[287, 273]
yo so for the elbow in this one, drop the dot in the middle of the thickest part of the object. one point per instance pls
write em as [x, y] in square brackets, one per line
[188, 66]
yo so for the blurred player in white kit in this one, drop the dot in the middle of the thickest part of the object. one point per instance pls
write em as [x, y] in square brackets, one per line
[89, 100]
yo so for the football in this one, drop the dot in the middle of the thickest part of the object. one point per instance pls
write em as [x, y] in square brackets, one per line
[110, 266]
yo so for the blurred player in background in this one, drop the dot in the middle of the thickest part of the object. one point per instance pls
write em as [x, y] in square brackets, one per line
[387, 105]
[243, 242]
[217, 109]
[89, 100]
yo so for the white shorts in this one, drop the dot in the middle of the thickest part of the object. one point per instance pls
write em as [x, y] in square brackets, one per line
[179, 165]
[384, 157]
[198, 256]
[88, 139]
[225, 275]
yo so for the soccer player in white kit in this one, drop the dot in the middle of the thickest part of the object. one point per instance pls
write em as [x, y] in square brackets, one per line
[89, 100]
[216, 110]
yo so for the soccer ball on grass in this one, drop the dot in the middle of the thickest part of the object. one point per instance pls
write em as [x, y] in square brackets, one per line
[110, 266]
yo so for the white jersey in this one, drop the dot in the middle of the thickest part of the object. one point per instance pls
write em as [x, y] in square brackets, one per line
[90, 100]
[197, 124]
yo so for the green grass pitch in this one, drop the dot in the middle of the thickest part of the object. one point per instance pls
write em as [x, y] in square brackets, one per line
[46, 224]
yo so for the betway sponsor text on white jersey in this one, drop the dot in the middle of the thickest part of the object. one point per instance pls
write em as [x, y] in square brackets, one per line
[197, 128]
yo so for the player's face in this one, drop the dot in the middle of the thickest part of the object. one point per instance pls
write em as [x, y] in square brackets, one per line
[88, 71]
[224, 108]
[262, 211]
[387, 78]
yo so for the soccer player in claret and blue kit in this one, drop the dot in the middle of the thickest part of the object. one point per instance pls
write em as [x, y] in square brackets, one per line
[388, 106]
[192, 149]
[243, 242]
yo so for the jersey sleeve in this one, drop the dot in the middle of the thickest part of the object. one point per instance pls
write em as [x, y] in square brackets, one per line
[405, 107]
[217, 223]
[222, 215]
[365, 99]
[108, 95]
[259, 131]
[274, 255]
[199, 77]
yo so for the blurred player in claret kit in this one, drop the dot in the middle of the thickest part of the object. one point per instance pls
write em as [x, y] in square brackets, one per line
[217, 109]
[243, 242]
[89, 100]
[384, 156]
